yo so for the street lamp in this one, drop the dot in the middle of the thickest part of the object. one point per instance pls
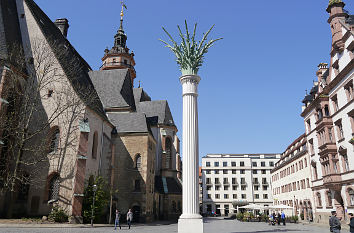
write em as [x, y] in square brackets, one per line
[93, 203]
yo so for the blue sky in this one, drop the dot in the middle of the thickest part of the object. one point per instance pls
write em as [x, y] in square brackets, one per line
[253, 81]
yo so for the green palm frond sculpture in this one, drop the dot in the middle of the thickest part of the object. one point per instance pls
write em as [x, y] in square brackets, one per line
[189, 53]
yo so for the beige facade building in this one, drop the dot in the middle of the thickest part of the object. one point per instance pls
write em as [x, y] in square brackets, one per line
[231, 180]
[291, 180]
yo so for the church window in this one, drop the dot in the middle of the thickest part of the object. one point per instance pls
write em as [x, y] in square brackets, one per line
[94, 145]
[54, 185]
[137, 186]
[168, 160]
[138, 161]
[54, 141]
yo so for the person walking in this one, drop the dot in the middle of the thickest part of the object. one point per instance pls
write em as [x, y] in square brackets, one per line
[334, 223]
[283, 217]
[129, 217]
[117, 220]
[351, 223]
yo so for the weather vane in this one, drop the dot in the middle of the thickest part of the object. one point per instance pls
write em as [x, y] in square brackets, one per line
[123, 6]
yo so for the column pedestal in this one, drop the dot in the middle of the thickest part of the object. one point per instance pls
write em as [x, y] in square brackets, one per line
[190, 225]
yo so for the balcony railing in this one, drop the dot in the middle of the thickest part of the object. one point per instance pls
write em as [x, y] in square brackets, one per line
[113, 64]
[332, 178]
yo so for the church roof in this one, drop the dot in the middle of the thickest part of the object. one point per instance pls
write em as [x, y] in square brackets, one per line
[140, 95]
[79, 80]
[10, 33]
[129, 122]
[157, 108]
[114, 87]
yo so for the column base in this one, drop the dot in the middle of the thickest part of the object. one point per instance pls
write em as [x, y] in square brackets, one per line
[190, 225]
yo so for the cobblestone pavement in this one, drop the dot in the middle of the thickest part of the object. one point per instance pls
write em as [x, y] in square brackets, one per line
[211, 225]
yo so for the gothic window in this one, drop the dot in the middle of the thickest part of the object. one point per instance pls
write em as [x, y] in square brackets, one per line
[168, 160]
[138, 161]
[94, 145]
[137, 186]
[54, 141]
[54, 185]
[326, 111]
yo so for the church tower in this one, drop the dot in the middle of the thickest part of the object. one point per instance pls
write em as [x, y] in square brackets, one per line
[336, 14]
[119, 57]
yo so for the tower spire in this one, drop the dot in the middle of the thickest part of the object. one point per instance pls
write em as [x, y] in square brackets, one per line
[119, 57]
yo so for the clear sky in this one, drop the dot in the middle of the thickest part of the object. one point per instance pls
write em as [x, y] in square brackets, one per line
[253, 81]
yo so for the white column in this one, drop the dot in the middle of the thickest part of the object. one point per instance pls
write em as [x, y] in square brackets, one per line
[190, 221]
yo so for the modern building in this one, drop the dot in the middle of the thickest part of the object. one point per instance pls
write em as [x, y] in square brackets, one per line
[232, 180]
[291, 180]
[328, 114]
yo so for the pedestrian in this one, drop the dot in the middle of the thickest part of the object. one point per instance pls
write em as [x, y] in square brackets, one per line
[351, 223]
[117, 220]
[278, 218]
[283, 217]
[274, 219]
[334, 223]
[129, 217]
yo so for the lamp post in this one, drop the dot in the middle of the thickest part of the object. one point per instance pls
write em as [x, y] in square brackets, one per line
[93, 203]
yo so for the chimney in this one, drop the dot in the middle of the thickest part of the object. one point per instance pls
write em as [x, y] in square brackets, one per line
[63, 25]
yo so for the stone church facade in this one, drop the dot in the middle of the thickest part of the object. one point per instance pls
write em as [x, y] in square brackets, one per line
[119, 132]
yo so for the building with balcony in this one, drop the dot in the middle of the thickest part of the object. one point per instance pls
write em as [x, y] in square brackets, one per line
[291, 180]
[328, 114]
[232, 180]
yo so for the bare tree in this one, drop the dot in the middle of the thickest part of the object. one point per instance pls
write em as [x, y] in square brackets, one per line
[40, 96]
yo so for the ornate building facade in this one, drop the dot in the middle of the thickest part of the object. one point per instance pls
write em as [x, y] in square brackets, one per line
[328, 117]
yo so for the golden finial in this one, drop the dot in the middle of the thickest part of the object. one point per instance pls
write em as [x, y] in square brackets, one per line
[122, 11]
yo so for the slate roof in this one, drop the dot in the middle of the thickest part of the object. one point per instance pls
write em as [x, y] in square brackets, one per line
[157, 108]
[10, 33]
[79, 79]
[140, 95]
[114, 87]
[167, 185]
[129, 122]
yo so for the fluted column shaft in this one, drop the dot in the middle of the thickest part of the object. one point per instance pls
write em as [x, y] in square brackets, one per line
[190, 149]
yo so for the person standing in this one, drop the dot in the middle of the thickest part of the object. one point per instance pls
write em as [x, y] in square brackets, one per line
[129, 217]
[351, 223]
[117, 220]
[334, 223]
[283, 217]
[278, 218]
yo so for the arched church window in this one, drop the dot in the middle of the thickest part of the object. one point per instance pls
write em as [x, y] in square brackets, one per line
[54, 185]
[54, 141]
[94, 145]
[168, 161]
[138, 161]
